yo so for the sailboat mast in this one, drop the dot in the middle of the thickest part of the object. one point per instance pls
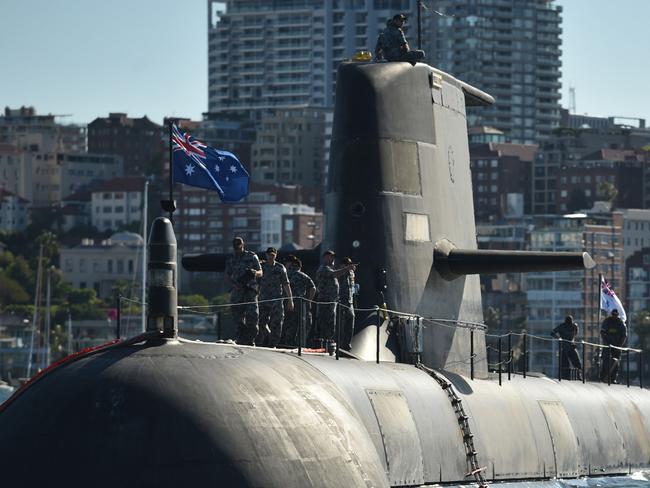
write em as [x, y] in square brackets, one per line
[35, 314]
[144, 257]
[69, 348]
[48, 296]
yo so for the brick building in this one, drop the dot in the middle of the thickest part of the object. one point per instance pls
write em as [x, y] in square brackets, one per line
[580, 182]
[140, 142]
[501, 179]
[205, 224]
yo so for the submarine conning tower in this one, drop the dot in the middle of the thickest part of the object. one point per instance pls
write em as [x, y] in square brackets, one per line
[399, 202]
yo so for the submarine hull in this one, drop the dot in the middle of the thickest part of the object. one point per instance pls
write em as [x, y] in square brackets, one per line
[176, 413]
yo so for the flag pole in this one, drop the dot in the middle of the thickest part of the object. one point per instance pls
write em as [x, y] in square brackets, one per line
[171, 171]
[170, 205]
[600, 291]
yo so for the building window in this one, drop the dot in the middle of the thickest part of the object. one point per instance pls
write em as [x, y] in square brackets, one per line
[120, 266]
[239, 222]
[110, 265]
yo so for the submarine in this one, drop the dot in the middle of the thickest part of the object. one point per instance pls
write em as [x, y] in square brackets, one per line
[413, 404]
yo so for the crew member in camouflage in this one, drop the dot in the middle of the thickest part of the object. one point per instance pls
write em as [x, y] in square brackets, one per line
[392, 45]
[272, 285]
[303, 290]
[242, 269]
[328, 292]
[346, 301]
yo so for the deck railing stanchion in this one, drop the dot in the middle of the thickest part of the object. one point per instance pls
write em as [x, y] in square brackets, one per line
[378, 331]
[471, 353]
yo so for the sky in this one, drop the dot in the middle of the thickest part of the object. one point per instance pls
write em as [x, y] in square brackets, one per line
[86, 58]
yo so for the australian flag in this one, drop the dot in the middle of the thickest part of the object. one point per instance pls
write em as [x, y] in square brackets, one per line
[196, 164]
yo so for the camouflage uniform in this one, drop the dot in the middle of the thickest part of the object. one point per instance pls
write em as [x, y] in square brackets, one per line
[392, 43]
[346, 311]
[245, 316]
[272, 313]
[300, 286]
[328, 291]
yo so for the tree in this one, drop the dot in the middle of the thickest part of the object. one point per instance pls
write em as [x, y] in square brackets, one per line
[6, 258]
[11, 292]
[120, 287]
[83, 296]
[50, 244]
[221, 299]
[193, 300]
[20, 272]
[607, 191]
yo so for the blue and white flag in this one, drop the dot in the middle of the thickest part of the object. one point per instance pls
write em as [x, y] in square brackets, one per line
[609, 301]
[196, 164]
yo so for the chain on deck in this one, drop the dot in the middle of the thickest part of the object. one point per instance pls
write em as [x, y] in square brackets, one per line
[475, 469]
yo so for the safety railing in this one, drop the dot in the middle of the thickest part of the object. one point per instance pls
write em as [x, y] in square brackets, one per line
[607, 363]
[498, 346]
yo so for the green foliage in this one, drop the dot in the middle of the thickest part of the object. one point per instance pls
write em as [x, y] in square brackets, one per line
[192, 300]
[11, 292]
[120, 287]
[6, 258]
[22, 310]
[607, 191]
[50, 244]
[221, 299]
[20, 271]
[84, 296]
[85, 312]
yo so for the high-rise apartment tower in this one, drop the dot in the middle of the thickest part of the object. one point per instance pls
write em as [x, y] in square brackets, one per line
[265, 55]
[509, 48]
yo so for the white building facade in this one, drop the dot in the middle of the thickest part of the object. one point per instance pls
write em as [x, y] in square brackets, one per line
[117, 203]
[100, 265]
[14, 215]
[271, 222]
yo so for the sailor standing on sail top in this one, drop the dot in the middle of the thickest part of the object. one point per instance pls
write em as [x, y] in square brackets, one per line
[392, 45]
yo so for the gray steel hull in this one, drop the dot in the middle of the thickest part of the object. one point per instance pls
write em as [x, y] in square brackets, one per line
[176, 413]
